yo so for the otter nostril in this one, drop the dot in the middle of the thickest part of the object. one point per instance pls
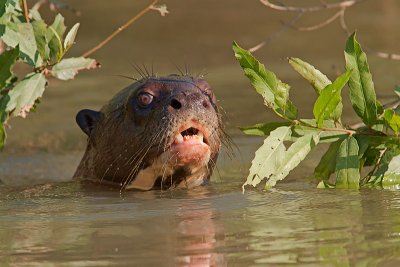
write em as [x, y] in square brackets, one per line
[205, 104]
[175, 104]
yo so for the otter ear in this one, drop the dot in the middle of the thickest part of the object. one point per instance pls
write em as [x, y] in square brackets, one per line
[87, 120]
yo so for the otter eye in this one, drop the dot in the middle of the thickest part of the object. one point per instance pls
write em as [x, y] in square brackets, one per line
[144, 99]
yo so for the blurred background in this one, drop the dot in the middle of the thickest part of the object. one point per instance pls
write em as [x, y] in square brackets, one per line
[66, 224]
[197, 34]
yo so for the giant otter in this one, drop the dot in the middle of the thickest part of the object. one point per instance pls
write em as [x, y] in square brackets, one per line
[159, 132]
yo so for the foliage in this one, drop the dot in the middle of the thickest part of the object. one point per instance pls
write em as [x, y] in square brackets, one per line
[40, 46]
[359, 157]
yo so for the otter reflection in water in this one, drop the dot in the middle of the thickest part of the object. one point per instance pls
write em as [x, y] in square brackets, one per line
[159, 132]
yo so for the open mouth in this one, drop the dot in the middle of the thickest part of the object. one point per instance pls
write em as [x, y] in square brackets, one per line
[191, 135]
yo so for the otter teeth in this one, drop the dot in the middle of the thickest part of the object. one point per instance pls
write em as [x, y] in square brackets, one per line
[200, 135]
[179, 139]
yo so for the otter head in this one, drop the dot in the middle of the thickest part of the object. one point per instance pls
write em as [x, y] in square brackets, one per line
[157, 133]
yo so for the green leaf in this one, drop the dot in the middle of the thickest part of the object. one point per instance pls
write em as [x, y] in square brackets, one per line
[8, 6]
[383, 141]
[362, 92]
[329, 99]
[3, 118]
[391, 179]
[2, 7]
[295, 154]
[327, 164]
[347, 165]
[383, 165]
[325, 185]
[263, 129]
[35, 15]
[363, 144]
[392, 119]
[7, 61]
[379, 108]
[70, 38]
[54, 37]
[325, 136]
[23, 96]
[40, 30]
[317, 79]
[274, 91]
[397, 90]
[268, 157]
[66, 69]
[22, 35]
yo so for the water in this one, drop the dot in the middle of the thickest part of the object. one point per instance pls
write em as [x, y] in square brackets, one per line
[47, 220]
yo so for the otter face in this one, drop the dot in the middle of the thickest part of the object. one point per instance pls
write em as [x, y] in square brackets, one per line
[157, 133]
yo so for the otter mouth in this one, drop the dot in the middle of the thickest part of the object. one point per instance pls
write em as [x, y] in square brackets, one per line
[192, 135]
[191, 144]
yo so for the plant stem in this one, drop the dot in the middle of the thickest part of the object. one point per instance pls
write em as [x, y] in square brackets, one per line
[342, 4]
[25, 7]
[349, 132]
[120, 29]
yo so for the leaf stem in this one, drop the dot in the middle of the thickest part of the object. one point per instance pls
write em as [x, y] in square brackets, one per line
[26, 14]
[367, 178]
[349, 132]
[120, 29]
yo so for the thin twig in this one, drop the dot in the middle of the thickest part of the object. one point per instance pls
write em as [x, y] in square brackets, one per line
[339, 15]
[26, 11]
[343, 4]
[120, 29]
[349, 132]
[343, 22]
[322, 24]
[2, 47]
[384, 54]
[367, 178]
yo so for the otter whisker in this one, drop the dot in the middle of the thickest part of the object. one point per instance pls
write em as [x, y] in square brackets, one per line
[201, 74]
[187, 70]
[179, 69]
[108, 168]
[138, 161]
[152, 70]
[136, 167]
[139, 70]
[146, 70]
[127, 77]
[135, 155]
[164, 168]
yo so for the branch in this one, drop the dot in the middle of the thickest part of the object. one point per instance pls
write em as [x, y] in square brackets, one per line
[384, 54]
[322, 24]
[2, 47]
[26, 11]
[346, 131]
[343, 4]
[123, 27]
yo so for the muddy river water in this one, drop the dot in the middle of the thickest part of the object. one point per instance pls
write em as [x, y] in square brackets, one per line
[47, 220]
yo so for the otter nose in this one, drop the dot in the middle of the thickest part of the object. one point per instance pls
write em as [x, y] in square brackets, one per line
[188, 100]
[176, 104]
